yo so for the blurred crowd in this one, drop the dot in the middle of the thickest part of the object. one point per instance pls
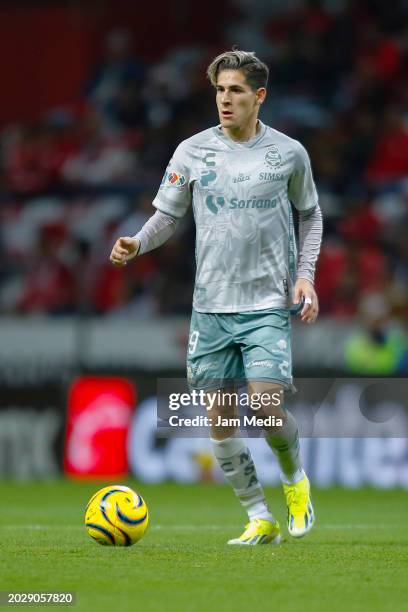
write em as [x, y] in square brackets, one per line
[86, 173]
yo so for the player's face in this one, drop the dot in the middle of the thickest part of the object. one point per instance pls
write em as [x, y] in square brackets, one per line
[238, 105]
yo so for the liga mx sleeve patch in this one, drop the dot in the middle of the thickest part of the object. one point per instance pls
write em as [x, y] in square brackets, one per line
[176, 179]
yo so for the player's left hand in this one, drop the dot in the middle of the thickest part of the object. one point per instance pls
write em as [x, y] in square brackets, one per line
[310, 310]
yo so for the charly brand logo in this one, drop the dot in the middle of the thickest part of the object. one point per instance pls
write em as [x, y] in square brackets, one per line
[284, 368]
[241, 178]
[214, 203]
[273, 158]
[209, 159]
[207, 177]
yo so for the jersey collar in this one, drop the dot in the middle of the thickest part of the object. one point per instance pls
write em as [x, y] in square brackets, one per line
[247, 144]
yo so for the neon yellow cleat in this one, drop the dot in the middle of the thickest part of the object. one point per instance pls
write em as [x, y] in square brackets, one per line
[300, 510]
[259, 531]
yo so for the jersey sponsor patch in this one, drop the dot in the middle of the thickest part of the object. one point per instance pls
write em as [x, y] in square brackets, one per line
[241, 178]
[269, 177]
[214, 203]
[253, 203]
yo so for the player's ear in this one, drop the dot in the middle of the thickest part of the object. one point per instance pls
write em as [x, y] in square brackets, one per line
[260, 95]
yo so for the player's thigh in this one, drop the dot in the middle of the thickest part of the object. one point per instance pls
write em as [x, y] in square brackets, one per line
[214, 361]
[266, 347]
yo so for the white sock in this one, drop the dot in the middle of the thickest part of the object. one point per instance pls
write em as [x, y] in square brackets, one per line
[235, 460]
[285, 445]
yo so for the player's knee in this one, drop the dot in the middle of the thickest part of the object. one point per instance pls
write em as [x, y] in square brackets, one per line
[222, 432]
[224, 421]
[267, 401]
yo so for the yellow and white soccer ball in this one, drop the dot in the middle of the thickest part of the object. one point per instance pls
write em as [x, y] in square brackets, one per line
[116, 516]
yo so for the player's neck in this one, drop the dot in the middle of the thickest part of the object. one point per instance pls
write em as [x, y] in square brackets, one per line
[245, 133]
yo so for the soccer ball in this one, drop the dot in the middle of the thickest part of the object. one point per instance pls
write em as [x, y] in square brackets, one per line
[116, 516]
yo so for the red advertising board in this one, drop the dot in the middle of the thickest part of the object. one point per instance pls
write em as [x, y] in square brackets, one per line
[98, 420]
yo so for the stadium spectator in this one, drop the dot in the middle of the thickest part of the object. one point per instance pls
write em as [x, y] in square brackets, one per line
[103, 158]
[50, 285]
[118, 69]
[389, 161]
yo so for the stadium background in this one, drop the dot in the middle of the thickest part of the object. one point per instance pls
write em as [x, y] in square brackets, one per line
[95, 98]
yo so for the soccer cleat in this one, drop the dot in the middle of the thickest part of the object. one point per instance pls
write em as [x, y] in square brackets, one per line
[300, 510]
[259, 531]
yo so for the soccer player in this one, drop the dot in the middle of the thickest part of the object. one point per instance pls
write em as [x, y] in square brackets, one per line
[242, 178]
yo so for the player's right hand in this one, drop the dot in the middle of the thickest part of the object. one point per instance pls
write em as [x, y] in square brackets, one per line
[124, 250]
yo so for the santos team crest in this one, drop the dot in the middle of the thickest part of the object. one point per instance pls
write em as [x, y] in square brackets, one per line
[273, 158]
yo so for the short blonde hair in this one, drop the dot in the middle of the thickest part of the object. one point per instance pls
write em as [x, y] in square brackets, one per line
[256, 72]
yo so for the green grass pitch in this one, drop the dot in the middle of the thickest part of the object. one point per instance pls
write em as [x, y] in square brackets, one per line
[354, 559]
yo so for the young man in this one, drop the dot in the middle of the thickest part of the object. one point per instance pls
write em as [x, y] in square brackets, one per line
[242, 177]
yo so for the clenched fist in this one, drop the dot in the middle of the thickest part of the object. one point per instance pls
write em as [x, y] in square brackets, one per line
[124, 250]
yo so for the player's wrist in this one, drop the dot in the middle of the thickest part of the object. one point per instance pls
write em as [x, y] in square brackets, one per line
[306, 278]
[138, 245]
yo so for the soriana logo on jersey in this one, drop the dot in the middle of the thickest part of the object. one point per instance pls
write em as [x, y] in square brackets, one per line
[98, 420]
